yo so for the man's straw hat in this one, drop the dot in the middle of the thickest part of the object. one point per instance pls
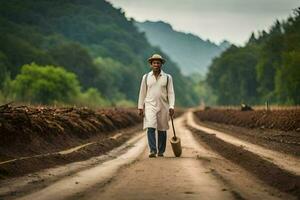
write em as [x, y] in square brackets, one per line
[156, 57]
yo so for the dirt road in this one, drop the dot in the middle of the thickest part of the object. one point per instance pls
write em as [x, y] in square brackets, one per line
[201, 173]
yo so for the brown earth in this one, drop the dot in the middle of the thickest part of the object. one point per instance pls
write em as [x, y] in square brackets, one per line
[285, 120]
[38, 137]
[209, 168]
[28, 130]
[263, 169]
[32, 164]
[36, 132]
[197, 174]
[282, 141]
[249, 127]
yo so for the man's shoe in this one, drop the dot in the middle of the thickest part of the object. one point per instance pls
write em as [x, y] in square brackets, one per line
[152, 155]
[160, 155]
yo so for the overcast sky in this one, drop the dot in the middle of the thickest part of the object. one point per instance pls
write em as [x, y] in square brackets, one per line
[233, 20]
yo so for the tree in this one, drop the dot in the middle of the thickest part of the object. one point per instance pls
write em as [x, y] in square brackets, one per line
[93, 98]
[267, 68]
[252, 38]
[269, 61]
[71, 34]
[74, 58]
[288, 79]
[3, 69]
[19, 52]
[110, 78]
[232, 76]
[45, 84]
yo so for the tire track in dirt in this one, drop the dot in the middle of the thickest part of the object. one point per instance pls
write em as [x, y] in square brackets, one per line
[164, 178]
[285, 161]
[200, 173]
[63, 152]
[69, 176]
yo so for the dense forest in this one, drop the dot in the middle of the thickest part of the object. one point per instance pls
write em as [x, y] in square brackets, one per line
[76, 52]
[267, 68]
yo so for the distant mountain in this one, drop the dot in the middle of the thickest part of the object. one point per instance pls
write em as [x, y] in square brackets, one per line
[191, 53]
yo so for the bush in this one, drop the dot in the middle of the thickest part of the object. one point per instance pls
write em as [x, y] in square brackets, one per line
[125, 103]
[45, 84]
[92, 98]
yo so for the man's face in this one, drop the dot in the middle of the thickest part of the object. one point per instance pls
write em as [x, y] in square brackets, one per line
[156, 65]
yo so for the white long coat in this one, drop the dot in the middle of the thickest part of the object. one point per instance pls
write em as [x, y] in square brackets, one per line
[154, 101]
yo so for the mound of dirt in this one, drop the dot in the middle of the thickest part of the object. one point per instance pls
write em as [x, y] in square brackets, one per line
[33, 130]
[260, 167]
[285, 120]
[33, 138]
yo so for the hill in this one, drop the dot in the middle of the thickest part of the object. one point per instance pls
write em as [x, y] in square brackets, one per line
[190, 52]
[89, 38]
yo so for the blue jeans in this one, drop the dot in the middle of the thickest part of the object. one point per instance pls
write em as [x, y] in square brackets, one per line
[162, 140]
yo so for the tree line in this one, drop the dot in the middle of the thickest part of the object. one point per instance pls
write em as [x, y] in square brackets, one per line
[87, 42]
[266, 68]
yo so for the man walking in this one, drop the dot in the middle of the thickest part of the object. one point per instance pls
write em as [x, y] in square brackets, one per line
[156, 104]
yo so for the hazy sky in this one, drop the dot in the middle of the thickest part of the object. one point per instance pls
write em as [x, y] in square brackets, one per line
[216, 20]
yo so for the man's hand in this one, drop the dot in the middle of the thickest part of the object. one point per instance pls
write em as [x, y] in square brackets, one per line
[171, 112]
[141, 112]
